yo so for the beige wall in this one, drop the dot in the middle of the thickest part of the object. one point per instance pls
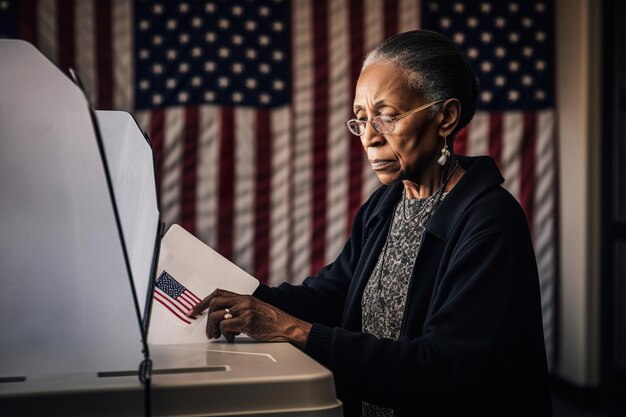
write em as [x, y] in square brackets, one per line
[578, 96]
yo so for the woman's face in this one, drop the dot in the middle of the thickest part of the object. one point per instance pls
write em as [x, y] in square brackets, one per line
[413, 147]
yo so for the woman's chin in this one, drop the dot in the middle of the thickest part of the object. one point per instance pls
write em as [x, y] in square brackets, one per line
[387, 178]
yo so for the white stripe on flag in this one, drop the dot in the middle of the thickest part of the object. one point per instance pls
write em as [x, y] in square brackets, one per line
[303, 133]
[512, 134]
[184, 302]
[85, 47]
[143, 120]
[544, 224]
[544, 176]
[374, 30]
[175, 308]
[245, 170]
[122, 44]
[208, 170]
[374, 33]
[409, 18]
[189, 298]
[172, 165]
[175, 303]
[47, 29]
[338, 151]
[280, 225]
[478, 136]
[370, 180]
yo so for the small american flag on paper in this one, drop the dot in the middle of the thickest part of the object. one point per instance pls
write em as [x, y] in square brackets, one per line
[175, 297]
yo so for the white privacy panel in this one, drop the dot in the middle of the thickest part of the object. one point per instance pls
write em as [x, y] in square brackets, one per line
[129, 157]
[65, 298]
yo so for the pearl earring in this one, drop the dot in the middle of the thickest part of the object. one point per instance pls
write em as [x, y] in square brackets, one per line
[445, 153]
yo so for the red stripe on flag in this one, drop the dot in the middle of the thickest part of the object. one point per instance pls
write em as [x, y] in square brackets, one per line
[188, 299]
[262, 196]
[320, 134]
[174, 302]
[291, 161]
[190, 172]
[226, 184]
[157, 129]
[391, 8]
[194, 298]
[104, 53]
[28, 20]
[184, 303]
[163, 302]
[496, 128]
[356, 18]
[527, 190]
[65, 19]
[460, 141]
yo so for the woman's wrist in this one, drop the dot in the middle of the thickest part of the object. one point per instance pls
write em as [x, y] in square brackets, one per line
[299, 334]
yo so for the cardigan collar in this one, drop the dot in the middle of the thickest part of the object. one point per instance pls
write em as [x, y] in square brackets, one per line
[481, 173]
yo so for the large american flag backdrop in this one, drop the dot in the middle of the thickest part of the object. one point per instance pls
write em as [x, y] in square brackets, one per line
[245, 102]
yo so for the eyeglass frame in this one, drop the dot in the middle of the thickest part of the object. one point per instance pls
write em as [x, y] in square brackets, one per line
[394, 119]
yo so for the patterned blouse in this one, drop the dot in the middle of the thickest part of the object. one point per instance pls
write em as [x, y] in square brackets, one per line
[385, 296]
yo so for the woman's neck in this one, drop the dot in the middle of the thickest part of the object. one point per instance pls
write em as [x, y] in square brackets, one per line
[433, 181]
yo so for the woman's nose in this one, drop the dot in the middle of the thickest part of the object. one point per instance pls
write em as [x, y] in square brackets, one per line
[371, 137]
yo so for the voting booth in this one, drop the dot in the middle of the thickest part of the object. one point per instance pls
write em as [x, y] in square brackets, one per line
[80, 245]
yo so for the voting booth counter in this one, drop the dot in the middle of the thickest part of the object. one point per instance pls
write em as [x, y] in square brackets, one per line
[81, 234]
[189, 379]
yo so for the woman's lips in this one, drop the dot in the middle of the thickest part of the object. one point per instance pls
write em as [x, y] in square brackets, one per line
[380, 164]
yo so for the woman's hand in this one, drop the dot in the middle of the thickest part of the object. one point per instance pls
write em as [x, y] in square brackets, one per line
[231, 314]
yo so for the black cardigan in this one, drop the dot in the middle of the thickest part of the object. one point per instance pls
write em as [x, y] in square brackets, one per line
[471, 341]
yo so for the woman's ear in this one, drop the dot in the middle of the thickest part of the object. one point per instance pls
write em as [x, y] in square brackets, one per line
[451, 110]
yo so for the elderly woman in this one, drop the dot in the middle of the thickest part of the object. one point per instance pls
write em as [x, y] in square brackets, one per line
[433, 306]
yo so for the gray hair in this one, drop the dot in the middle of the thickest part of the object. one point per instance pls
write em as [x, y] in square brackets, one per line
[433, 67]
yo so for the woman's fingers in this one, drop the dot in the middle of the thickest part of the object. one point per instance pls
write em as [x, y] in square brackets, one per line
[213, 323]
[223, 306]
[231, 314]
[213, 301]
[201, 306]
[232, 327]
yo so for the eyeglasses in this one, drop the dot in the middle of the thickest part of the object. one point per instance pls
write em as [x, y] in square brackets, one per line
[383, 124]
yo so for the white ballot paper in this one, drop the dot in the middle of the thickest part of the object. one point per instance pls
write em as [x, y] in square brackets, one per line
[188, 271]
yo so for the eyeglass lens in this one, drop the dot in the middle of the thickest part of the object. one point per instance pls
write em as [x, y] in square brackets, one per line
[381, 124]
